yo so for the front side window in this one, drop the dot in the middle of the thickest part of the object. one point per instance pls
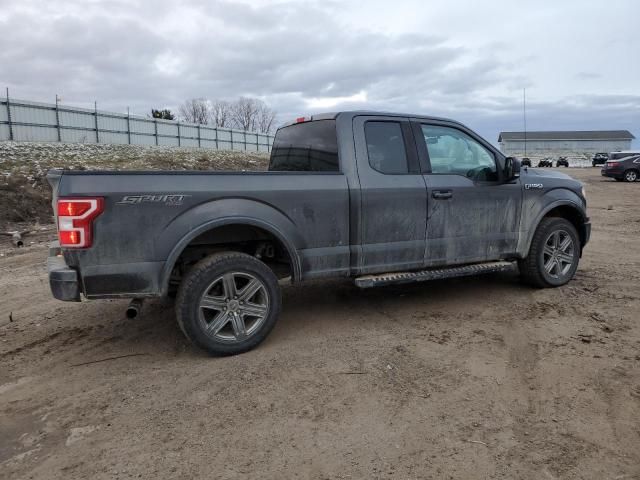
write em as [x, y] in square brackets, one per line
[306, 147]
[453, 152]
[385, 147]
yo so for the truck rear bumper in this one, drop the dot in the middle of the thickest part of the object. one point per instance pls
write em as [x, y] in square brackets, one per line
[62, 279]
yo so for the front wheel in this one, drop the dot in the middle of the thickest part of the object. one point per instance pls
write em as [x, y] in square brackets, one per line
[553, 255]
[228, 303]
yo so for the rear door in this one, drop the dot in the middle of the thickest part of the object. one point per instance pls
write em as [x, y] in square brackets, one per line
[473, 214]
[393, 195]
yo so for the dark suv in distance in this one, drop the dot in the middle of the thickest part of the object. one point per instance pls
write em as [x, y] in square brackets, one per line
[599, 159]
[625, 168]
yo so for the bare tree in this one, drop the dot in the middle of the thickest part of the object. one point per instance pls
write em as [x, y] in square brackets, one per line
[244, 112]
[196, 110]
[266, 118]
[252, 114]
[220, 113]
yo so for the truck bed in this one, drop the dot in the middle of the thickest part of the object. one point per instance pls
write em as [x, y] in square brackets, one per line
[150, 216]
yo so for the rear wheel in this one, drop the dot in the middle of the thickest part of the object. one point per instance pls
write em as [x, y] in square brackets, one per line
[630, 176]
[554, 254]
[228, 303]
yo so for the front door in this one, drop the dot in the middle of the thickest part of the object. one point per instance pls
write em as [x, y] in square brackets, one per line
[393, 195]
[473, 213]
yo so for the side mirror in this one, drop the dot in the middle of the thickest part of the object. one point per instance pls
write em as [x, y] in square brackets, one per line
[511, 168]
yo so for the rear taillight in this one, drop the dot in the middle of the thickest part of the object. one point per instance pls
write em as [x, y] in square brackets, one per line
[75, 217]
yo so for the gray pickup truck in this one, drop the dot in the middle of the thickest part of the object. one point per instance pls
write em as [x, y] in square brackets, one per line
[382, 198]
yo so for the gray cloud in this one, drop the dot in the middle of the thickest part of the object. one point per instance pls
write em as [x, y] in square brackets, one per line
[302, 57]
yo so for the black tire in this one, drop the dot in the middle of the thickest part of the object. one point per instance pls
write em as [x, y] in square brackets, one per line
[211, 276]
[630, 175]
[532, 268]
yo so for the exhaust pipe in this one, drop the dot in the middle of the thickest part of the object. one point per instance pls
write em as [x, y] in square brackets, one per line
[16, 239]
[133, 310]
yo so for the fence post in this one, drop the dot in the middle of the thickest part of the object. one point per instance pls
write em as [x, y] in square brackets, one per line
[231, 133]
[155, 129]
[257, 142]
[179, 142]
[58, 119]
[95, 113]
[128, 126]
[244, 136]
[198, 135]
[9, 116]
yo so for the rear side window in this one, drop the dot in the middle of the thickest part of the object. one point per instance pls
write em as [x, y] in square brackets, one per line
[306, 147]
[620, 155]
[385, 147]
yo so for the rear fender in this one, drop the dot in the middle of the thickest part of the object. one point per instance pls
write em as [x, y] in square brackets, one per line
[229, 211]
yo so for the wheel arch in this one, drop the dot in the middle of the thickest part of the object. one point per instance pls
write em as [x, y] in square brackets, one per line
[223, 213]
[561, 209]
[222, 227]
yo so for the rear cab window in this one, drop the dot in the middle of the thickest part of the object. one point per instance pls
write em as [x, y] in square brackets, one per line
[386, 147]
[306, 147]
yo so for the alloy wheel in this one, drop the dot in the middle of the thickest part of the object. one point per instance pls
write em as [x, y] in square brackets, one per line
[233, 307]
[558, 254]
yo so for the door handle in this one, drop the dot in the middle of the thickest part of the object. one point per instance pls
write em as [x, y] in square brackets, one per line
[442, 194]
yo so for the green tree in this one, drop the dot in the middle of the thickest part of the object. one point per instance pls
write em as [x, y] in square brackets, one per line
[164, 114]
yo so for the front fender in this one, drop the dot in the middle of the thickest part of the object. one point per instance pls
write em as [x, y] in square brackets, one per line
[536, 209]
[240, 211]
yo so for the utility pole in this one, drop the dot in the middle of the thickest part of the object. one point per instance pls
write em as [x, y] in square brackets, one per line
[9, 116]
[58, 117]
[524, 116]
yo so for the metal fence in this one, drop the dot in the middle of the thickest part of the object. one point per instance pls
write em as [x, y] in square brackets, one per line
[22, 120]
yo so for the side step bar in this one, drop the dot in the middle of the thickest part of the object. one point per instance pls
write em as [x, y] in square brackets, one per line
[368, 281]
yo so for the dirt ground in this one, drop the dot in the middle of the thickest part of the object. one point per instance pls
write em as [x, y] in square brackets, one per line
[467, 378]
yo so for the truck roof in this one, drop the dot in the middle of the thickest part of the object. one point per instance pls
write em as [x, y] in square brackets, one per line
[355, 113]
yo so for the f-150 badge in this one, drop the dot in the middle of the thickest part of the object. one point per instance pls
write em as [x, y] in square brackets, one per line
[168, 200]
[533, 186]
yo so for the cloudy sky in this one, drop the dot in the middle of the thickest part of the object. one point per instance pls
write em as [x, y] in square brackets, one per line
[579, 60]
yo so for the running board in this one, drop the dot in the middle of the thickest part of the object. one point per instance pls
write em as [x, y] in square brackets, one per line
[368, 281]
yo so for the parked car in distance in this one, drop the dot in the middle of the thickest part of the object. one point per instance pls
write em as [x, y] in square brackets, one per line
[626, 168]
[562, 162]
[599, 159]
[526, 162]
[545, 162]
[381, 198]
